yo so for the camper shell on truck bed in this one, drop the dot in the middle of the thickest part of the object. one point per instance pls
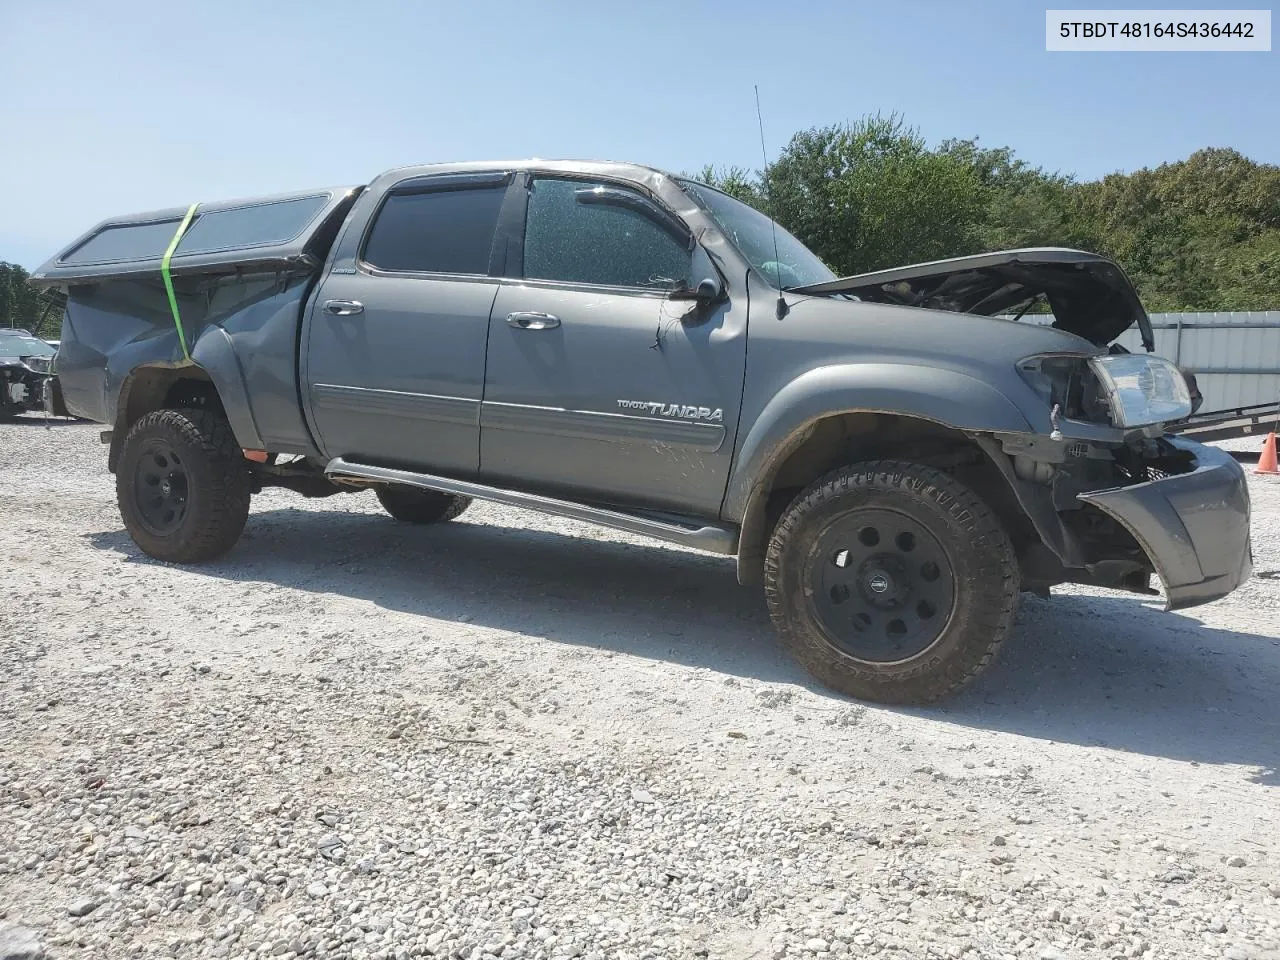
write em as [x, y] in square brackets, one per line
[241, 273]
[889, 456]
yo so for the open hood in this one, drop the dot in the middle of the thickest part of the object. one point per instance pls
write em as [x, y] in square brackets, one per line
[1089, 295]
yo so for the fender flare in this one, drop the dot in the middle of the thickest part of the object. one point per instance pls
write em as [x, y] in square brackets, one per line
[959, 401]
[212, 355]
[216, 355]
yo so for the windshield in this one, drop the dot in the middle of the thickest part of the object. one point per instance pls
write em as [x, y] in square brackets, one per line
[794, 264]
[15, 344]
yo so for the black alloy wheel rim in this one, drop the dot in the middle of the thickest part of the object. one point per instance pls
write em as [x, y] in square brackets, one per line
[160, 488]
[883, 587]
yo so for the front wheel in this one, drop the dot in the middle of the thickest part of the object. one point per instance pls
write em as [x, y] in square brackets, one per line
[891, 581]
[183, 485]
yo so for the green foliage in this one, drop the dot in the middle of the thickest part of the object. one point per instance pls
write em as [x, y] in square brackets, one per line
[21, 305]
[735, 181]
[1199, 234]
[873, 195]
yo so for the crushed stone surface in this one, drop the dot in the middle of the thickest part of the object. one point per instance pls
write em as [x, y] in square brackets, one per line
[523, 737]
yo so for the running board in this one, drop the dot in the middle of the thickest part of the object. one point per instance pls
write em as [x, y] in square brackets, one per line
[714, 539]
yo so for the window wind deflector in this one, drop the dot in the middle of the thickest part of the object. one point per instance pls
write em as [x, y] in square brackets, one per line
[633, 201]
[452, 181]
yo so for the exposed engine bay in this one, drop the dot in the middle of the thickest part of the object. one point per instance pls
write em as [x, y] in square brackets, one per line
[1089, 295]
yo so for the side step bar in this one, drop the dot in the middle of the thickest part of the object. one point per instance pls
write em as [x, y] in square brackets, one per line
[714, 539]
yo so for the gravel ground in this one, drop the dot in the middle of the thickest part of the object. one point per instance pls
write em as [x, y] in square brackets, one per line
[516, 736]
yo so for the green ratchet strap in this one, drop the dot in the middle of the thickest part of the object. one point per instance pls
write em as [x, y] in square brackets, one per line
[168, 280]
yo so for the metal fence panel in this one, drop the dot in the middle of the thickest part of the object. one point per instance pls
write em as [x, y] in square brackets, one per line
[1235, 356]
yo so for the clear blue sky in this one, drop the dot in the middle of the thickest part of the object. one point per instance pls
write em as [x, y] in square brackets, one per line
[133, 105]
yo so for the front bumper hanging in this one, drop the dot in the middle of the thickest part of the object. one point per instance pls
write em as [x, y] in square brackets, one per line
[1193, 526]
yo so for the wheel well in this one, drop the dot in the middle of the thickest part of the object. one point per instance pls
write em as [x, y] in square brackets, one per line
[851, 437]
[155, 388]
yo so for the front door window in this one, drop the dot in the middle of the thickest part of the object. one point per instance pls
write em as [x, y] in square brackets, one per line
[587, 232]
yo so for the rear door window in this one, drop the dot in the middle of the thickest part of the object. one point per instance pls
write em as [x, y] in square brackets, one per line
[571, 236]
[441, 231]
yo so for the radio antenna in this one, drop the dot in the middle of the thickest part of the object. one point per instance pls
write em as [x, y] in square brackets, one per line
[768, 199]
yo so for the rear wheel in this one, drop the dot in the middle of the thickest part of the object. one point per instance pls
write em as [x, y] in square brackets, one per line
[414, 505]
[891, 581]
[183, 485]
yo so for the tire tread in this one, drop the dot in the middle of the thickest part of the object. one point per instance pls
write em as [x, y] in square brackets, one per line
[220, 509]
[992, 613]
[413, 505]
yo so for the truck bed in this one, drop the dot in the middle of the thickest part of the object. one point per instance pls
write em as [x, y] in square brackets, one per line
[241, 275]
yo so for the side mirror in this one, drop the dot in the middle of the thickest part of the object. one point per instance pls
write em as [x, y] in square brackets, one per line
[708, 291]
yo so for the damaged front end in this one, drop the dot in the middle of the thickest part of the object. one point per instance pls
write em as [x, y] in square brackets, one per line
[1113, 507]
[26, 373]
[1193, 525]
[1112, 499]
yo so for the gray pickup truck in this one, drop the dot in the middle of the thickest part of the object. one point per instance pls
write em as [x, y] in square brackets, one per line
[895, 456]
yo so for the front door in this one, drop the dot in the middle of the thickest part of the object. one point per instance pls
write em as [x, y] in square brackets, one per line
[395, 346]
[598, 386]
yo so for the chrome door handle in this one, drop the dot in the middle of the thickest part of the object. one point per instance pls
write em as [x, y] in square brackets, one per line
[343, 308]
[532, 321]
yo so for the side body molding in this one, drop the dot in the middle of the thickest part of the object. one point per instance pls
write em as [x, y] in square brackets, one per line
[945, 396]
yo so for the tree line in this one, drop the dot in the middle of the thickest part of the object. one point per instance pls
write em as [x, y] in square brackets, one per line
[21, 305]
[1198, 234]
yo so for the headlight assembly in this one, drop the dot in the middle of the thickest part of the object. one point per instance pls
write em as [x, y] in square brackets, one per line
[1142, 390]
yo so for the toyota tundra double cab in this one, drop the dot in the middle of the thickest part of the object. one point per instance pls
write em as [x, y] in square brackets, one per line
[894, 456]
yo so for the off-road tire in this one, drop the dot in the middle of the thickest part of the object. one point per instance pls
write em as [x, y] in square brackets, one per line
[985, 583]
[414, 505]
[217, 485]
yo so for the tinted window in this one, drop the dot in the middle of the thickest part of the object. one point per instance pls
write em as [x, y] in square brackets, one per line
[448, 231]
[256, 225]
[572, 236]
[260, 225]
[141, 241]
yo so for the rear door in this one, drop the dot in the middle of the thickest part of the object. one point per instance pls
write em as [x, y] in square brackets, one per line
[598, 385]
[395, 344]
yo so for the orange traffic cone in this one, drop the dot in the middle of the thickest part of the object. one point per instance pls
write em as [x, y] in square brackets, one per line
[1267, 462]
